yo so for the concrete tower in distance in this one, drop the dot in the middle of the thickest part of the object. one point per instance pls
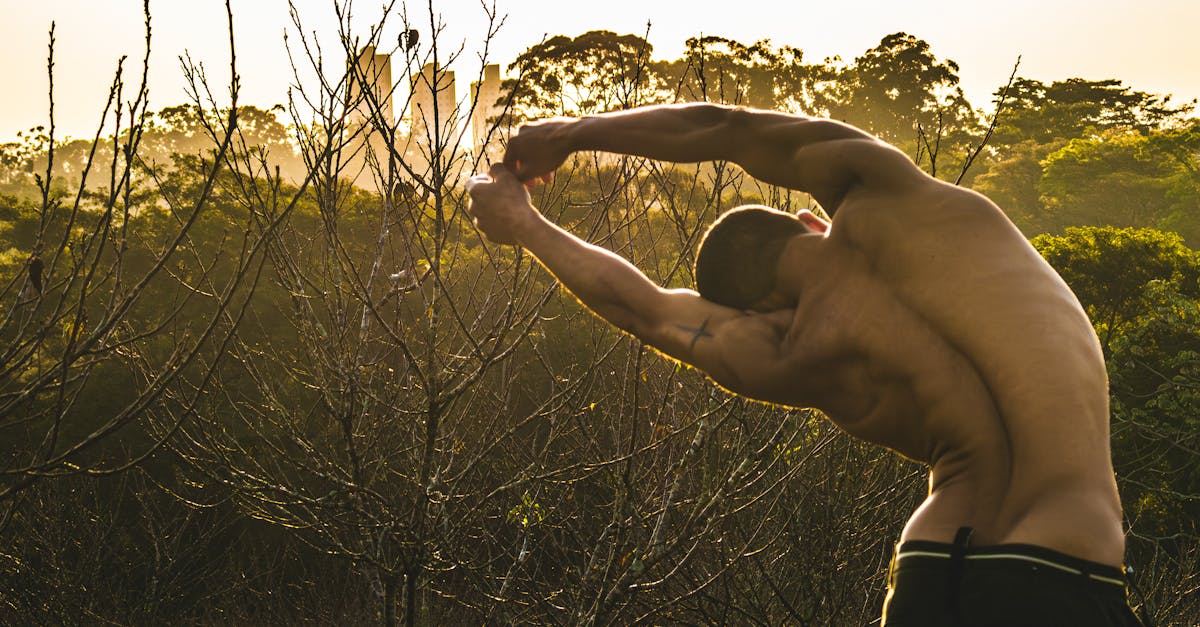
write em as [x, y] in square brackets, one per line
[486, 94]
[368, 106]
[374, 76]
[432, 108]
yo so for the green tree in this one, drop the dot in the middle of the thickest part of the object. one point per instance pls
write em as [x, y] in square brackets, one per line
[1011, 180]
[1155, 382]
[1182, 144]
[718, 69]
[596, 71]
[1111, 269]
[898, 87]
[188, 129]
[1112, 179]
[1091, 153]
[1074, 107]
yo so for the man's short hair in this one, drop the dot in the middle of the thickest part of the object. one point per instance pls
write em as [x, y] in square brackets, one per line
[737, 259]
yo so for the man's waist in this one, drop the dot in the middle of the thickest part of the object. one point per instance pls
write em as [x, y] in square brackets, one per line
[1080, 520]
[916, 553]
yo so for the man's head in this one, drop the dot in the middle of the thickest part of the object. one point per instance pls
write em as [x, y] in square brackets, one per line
[736, 264]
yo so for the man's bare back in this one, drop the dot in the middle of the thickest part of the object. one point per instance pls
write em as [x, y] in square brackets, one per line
[1006, 378]
[920, 319]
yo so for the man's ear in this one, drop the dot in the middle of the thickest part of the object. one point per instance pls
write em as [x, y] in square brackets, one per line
[813, 222]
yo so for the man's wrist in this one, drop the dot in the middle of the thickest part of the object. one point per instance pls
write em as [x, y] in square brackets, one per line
[529, 228]
[570, 136]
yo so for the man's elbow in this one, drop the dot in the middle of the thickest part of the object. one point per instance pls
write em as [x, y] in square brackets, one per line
[620, 316]
[711, 114]
[638, 326]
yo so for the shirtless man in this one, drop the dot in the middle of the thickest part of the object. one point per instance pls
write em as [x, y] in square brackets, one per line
[919, 319]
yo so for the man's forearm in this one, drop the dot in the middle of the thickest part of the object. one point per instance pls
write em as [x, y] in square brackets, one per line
[701, 132]
[604, 281]
[678, 133]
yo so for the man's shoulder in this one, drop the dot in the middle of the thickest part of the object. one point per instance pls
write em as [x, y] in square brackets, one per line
[928, 216]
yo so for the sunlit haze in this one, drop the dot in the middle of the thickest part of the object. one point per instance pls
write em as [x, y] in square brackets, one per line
[1150, 44]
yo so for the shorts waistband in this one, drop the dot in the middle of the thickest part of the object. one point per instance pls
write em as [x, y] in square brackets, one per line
[1028, 553]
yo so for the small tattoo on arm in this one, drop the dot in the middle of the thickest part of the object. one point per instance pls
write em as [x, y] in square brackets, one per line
[697, 333]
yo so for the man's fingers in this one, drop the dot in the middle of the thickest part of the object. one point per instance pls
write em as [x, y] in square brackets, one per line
[517, 169]
[499, 171]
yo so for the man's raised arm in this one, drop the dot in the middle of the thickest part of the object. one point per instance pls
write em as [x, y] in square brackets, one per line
[823, 157]
[675, 321]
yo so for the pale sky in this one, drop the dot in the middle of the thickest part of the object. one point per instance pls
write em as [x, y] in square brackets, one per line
[1149, 44]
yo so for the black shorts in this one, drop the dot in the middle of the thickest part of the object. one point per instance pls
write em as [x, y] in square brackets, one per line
[933, 584]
